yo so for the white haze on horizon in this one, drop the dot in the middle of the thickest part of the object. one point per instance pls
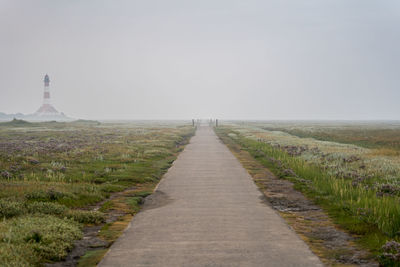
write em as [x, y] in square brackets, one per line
[272, 59]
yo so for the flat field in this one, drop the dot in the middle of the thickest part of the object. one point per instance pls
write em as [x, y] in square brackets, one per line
[351, 169]
[52, 173]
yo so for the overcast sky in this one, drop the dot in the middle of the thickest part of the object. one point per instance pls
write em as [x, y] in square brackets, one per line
[267, 59]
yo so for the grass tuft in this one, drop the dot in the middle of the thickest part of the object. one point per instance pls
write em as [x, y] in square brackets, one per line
[40, 236]
[86, 217]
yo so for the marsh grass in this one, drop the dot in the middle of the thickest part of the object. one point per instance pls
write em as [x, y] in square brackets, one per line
[375, 218]
[92, 258]
[50, 171]
[38, 236]
[385, 136]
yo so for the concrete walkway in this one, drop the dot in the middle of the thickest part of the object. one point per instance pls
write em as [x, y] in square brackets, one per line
[208, 212]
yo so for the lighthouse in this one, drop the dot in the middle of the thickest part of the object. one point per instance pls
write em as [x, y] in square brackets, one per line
[46, 94]
[47, 110]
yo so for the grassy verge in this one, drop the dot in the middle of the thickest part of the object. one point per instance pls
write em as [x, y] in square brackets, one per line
[92, 258]
[374, 219]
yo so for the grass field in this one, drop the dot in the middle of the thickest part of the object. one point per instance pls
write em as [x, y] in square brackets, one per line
[51, 173]
[352, 170]
[382, 136]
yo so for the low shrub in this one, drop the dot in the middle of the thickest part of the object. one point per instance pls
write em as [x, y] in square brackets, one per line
[44, 236]
[49, 195]
[87, 217]
[10, 209]
[391, 254]
[17, 255]
[46, 208]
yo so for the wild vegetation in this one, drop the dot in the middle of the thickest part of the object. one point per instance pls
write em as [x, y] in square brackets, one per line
[355, 181]
[51, 173]
[382, 136]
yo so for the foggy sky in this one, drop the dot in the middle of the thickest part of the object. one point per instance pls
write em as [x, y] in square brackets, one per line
[267, 59]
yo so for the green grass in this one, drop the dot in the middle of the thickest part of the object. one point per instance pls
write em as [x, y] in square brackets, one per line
[50, 171]
[86, 217]
[136, 200]
[359, 209]
[367, 134]
[29, 239]
[16, 123]
[106, 206]
[92, 258]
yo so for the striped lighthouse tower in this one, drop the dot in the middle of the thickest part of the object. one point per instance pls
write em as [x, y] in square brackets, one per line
[46, 95]
[46, 109]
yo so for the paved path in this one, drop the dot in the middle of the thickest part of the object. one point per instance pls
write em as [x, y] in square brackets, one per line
[208, 212]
